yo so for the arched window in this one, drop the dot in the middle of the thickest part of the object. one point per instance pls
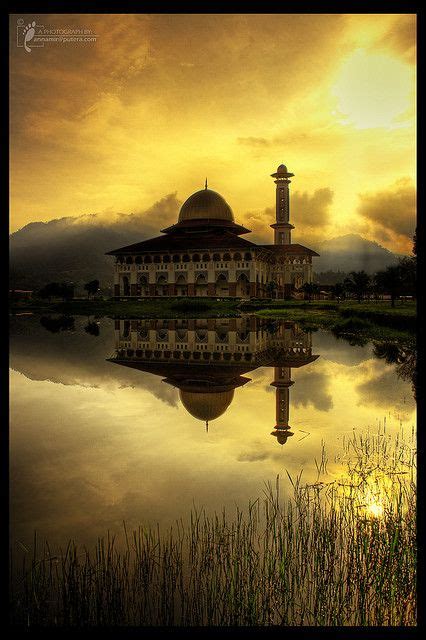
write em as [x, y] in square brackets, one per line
[181, 279]
[166, 259]
[196, 257]
[120, 259]
[176, 258]
[237, 257]
[227, 257]
[201, 279]
[138, 260]
[247, 256]
[186, 258]
[157, 259]
[206, 257]
[143, 281]
[129, 260]
[147, 260]
[216, 257]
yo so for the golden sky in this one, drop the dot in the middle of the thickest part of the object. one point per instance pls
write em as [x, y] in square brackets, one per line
[159, 102]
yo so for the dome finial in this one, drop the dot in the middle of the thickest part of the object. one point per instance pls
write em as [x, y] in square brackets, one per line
[206, 183]
[207, 426]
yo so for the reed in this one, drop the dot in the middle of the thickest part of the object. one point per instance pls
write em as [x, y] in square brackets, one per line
[339, 551]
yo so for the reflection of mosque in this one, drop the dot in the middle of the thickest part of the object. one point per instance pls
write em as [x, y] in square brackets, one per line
[206, 359]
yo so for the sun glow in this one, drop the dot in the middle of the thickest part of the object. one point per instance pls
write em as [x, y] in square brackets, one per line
[373, 90]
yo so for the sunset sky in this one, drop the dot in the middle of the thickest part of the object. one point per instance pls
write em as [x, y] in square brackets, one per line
[159, 102]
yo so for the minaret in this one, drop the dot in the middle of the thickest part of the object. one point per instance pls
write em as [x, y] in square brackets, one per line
[282, 382]
[282, 227]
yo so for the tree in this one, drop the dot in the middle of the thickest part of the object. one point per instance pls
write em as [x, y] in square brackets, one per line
[357, 283]
[390, 281]
[271, 287]
[92, 328]
[309, 289]
[91, 287]
[62, 290]
[338, 291]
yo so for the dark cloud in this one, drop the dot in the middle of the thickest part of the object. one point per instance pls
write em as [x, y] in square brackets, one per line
[387, 391]
[310, 213]
[311, 387]
[401, 37]
[394, 209]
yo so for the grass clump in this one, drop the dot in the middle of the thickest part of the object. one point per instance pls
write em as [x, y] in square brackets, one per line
[340, 551]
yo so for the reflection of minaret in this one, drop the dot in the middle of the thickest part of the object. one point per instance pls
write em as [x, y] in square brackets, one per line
[282, 382]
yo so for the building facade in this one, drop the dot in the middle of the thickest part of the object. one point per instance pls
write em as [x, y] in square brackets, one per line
[207, 359]
[203, 254]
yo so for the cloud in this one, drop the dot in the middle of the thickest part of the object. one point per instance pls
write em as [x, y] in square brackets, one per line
[392, 209]
[309, 213]
[311, 388]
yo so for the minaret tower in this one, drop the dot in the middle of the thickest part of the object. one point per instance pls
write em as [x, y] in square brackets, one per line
[282, 227]
[282, 382]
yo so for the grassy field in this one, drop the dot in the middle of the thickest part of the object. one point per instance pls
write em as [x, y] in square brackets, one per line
[341, 551]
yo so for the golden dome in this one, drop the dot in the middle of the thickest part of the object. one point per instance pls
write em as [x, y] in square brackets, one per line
[206, 406]
[206, 204]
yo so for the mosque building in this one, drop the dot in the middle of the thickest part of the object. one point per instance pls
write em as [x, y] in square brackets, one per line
[207, 359]
[204, 254]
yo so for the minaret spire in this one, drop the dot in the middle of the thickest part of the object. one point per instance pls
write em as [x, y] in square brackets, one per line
[282, 382]
[206, 184]
[282, 227]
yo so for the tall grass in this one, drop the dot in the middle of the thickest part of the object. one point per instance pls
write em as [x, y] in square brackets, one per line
[339, 551]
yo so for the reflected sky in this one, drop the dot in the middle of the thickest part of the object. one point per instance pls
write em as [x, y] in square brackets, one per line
[95, 441]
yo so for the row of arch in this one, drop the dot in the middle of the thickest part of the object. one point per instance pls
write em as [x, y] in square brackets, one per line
[201, 279]
[196, 257]
[184, 355]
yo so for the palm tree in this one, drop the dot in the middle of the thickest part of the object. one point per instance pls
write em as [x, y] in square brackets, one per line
[309, 289]
[338, 291]
[390, 281]
[358, 283]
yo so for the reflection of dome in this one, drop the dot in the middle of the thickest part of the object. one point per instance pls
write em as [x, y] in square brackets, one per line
[206, 204]
[206, 406]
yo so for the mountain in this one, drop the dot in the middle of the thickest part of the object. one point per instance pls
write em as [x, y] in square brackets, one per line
[73, 249]
[352, 253]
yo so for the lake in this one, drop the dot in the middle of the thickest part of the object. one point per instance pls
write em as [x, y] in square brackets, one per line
[140, 420]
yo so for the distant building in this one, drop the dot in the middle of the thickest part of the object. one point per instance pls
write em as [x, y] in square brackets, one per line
[207, 359]
[203, 254]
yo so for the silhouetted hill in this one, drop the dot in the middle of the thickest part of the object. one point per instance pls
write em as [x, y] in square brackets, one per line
[352, 253]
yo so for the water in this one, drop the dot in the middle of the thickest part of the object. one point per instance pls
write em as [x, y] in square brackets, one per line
[109, 424]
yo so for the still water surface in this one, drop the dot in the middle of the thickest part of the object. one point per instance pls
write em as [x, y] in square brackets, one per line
[140, 420]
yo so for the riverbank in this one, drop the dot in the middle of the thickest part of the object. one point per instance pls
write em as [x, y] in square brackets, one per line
[375, 320]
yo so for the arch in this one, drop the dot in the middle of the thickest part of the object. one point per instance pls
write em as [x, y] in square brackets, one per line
[166, 259]
[126, 286]
[120, 259]
[201, 285]
[162, 335]
[181, 285]
[142, 285]
[216, 257]
[206, 257]
[237, 257]
[186, 258]
[247, 256]
[129, 260]
[243, 286]
[147, 260]
[176, 258]
[138, 260]
[226, 257]
[157, 259]
[222, 286]
[196, 257]
[161, 285]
